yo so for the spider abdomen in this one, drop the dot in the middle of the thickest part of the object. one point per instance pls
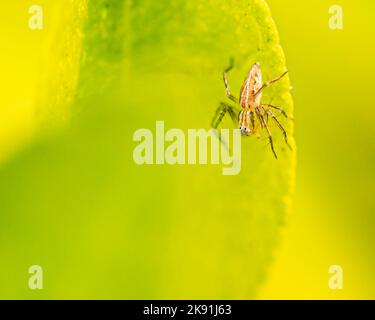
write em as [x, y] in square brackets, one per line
[250, 95]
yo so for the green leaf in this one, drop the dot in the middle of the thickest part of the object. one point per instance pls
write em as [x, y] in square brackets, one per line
[102, 226]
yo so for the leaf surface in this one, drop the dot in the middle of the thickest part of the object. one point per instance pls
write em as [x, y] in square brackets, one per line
[102, 226]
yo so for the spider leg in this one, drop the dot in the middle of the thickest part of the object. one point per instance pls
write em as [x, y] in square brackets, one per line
[280, 127]
[264, 125]
[260, 117]
[221, 112]
[268, 83]
[218, 118]
[277, 108]
[226, 83]
[252, 120]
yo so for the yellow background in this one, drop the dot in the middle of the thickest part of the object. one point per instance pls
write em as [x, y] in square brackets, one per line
[333, 220]
[332, 74]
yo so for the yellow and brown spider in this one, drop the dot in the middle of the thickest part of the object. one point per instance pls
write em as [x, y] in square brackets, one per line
[251, 112]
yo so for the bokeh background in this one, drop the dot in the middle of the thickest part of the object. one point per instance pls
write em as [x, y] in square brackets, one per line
[332, 218]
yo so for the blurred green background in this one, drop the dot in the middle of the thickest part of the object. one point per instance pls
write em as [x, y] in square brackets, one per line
[96, 238]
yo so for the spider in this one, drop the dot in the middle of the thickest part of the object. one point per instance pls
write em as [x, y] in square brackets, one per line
[251, 109]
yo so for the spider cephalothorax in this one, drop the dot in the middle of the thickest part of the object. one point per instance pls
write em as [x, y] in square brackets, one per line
[252, 114]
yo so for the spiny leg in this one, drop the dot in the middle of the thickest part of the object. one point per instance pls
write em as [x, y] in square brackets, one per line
[280, 127]
[264, 125]
[252, 120]
[220, 113]
[268, 83]
[260, 117]
[218, 118]
[226, 83]
[277, 108]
